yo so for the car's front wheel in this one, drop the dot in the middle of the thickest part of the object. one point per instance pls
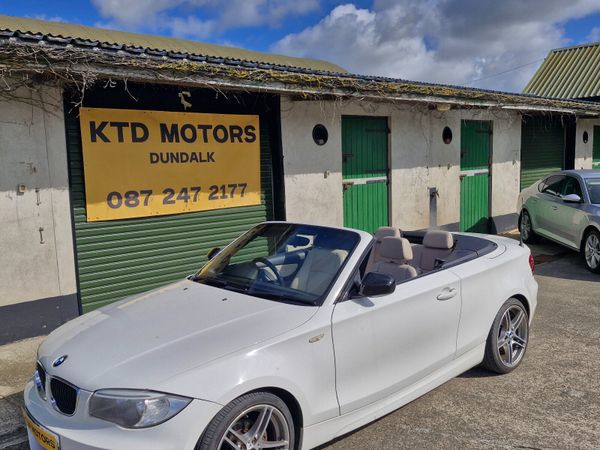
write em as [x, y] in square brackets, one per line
[507, 342]
[591, 251]
[526, 229]
[253, 421]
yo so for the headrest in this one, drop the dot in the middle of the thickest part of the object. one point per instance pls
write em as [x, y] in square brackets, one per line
[396, 248]
[386, 231]
[438, 239]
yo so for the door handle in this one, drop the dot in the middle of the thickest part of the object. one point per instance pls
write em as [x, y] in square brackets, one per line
[447, 294]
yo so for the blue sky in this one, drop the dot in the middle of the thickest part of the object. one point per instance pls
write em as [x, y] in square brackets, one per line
[466, 42]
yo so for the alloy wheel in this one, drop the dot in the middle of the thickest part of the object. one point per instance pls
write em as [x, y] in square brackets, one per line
[592, 251]
[512, 335]
[259, 427]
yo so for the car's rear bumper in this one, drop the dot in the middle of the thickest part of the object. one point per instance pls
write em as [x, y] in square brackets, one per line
[83, 432]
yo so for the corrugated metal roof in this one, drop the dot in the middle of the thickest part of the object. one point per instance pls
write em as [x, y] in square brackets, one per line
[572, 72]
[156, 43]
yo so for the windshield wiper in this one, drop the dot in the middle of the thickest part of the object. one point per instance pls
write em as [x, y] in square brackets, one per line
[281, 298]
[219, 282]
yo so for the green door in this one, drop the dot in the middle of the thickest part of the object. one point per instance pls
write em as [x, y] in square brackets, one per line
[596, 147]
[365, 172]
[475, 139]
[542, 148]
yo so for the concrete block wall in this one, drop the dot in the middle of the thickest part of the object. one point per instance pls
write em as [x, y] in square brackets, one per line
[37, 269]
[419, 159]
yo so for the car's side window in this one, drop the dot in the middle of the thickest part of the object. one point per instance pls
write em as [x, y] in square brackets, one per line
[553, 185]
[572, 186]
[542, 185]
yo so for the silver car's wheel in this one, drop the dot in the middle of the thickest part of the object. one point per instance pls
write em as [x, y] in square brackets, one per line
[526, 229]
[254, 421]
[591, 251]
[508, 338]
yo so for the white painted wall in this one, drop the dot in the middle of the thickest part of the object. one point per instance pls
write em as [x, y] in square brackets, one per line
[418, 159]
[583, 150]
[33, 153]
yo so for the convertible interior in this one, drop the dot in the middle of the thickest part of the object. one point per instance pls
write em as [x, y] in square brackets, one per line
[411, 254]
[300, 262]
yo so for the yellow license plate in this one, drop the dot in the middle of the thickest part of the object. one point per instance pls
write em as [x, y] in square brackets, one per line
[45, 437]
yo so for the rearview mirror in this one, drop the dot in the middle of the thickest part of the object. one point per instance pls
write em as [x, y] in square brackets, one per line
[213, 252]
[375, 284]
[571, 198]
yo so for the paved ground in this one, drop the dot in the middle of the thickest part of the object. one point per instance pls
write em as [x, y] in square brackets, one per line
[551, 402]
[17, 363]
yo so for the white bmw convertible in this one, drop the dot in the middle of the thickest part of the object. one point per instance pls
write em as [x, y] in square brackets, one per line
[287, 338]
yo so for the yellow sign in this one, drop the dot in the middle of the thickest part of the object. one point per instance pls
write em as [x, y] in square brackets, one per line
[45, 438]
[147, 163]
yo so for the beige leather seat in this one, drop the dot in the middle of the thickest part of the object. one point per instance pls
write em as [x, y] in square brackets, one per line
[437, 245]
[396, 255]
[381, 233]
[323, 260]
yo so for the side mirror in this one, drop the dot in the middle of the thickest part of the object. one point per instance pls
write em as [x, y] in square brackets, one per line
[571, 198]
[375, 284]
[213, 252]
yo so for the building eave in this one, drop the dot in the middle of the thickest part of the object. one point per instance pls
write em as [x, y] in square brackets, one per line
[91, 63]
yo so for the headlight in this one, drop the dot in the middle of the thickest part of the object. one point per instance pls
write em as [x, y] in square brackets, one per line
[131, 408]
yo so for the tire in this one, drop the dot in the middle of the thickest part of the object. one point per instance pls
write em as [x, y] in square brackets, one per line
[591, 251]
[232, 427]
[507, 341]
[526, 228]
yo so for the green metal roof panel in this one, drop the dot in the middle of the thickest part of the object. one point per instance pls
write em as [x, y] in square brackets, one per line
[572, 72]
[160, 43]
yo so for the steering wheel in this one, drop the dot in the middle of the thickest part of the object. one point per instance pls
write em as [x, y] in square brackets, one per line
[271, 266]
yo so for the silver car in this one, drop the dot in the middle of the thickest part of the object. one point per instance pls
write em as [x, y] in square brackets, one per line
[565, 208]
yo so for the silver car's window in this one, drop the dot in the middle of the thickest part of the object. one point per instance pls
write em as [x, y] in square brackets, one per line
[279, 261]
[553, 185]
[572, 186]
[593, 188]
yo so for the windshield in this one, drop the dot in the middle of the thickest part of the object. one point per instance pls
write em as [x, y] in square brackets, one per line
[593, 187]
[279, 261]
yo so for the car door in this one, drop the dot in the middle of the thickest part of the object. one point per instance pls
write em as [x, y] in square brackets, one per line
[569, 219]
[547, 201]
[385, 344]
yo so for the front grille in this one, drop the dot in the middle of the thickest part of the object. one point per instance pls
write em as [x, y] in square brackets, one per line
[64, 396]
[42, 374]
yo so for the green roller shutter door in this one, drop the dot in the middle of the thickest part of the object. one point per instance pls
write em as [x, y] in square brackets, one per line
[542, 148]
[119, 258]
[596, 147]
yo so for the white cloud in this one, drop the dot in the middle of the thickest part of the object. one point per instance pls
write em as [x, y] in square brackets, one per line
[594, 35]
[133, 13]
[199, 18]
[443, 41]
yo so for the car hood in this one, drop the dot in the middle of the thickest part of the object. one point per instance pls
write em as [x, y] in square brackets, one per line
[142, 341]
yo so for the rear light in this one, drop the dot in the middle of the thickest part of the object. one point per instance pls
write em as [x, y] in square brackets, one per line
[531, 263]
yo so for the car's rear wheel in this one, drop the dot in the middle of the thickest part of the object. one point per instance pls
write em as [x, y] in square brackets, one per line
[507, 342]
[526, 229]
[591, 251]
[253, 421]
